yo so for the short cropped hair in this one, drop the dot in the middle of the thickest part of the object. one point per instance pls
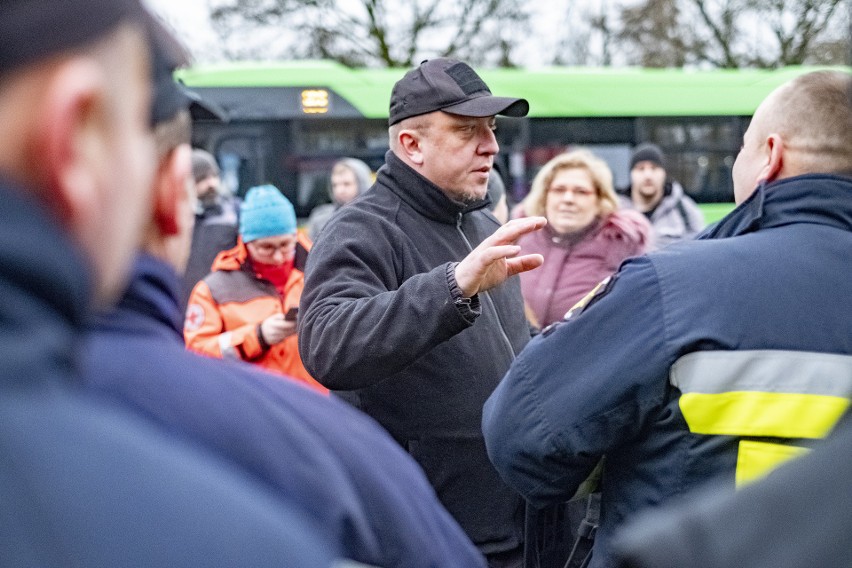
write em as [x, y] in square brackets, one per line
[534, 203]
[420, 123]
[814, 118]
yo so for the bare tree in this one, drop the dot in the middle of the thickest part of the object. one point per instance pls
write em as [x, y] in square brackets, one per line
[375, 32]
[589, 40]
[735, 33]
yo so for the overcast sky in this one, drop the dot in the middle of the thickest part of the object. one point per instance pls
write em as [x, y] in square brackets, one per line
[191, 22]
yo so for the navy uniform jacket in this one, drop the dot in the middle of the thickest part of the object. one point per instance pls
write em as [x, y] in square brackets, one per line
[717, 357]
[364, 493]
[89, 484]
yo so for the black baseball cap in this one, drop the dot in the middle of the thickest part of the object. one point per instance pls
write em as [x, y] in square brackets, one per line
[169, 97]
[31, 30]
[452, 86]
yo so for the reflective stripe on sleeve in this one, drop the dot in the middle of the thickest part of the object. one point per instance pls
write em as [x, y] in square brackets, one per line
[779, 415]
[784, 394]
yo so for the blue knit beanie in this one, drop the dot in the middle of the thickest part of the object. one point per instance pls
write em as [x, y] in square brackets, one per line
[266, 213]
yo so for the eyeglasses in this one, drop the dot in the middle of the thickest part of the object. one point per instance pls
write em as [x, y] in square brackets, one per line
[269, 249]
[576, 191]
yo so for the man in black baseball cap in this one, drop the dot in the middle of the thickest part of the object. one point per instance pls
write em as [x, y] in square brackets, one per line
[84, 482]
[394, 306]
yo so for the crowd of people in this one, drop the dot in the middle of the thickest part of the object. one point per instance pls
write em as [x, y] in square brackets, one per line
[191, 378]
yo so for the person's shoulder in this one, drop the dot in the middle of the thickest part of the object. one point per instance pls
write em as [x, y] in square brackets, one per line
[690, 203]
[628, 225]
[114, 465]
[624, 200]
[372, 213]
[321, 212]
[678, 193]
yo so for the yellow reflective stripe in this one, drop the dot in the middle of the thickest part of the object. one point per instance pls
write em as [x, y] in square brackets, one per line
[779, 415]
[756, 459]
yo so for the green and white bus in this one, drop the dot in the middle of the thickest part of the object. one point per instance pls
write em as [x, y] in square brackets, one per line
[288, 122]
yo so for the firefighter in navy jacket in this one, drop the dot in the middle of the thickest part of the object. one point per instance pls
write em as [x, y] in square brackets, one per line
[719, 357]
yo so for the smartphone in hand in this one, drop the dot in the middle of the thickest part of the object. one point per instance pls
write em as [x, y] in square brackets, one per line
[292, 313]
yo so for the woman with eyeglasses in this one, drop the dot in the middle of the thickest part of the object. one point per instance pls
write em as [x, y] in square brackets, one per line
[586, 238]
[246, 307]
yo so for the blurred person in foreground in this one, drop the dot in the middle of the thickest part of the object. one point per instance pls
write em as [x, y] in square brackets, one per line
[246, 307]
[673, 214]
[216, 219]
[799, 515]
[84, 482]
[350, 178]
[365, 495]
[410, 304]
[715, 358]
[586, 238]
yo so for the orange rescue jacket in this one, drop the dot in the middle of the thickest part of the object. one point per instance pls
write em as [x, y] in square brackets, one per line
[226, 308]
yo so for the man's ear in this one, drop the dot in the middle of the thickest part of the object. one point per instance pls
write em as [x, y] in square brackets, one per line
[170, 190]
[409, 141]
[71, 141]
[775, 159]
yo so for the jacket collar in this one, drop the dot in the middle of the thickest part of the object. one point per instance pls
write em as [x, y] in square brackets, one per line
[568, 240]
[813, 198]
[421, 194]
[153, 293]
[45, 290]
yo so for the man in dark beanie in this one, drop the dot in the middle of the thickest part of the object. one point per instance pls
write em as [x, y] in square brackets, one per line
[216, 220]
[673, 214]
[84, 482]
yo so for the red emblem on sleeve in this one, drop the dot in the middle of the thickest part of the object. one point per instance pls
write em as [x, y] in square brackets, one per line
[194, 317]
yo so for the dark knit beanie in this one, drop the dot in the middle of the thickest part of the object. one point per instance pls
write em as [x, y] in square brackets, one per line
[647, 152]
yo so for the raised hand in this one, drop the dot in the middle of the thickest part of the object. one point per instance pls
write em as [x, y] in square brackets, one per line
[495, 259]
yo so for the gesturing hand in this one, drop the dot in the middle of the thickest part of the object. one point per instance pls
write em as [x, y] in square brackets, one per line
[495, 260]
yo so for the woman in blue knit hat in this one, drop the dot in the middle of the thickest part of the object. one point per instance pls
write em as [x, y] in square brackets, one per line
[246, 308]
